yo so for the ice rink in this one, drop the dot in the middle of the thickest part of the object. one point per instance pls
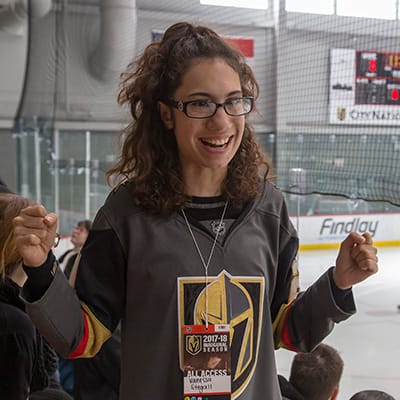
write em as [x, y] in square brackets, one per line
[369, 342]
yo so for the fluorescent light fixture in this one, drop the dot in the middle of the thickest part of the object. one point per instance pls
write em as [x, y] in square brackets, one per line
[311, 6]
[256, 4]
[384, 9]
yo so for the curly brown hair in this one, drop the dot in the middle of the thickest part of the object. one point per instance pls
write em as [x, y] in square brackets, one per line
[149, 156]
[10, 207]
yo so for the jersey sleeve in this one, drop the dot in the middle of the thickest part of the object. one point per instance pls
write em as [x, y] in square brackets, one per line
[313, 315]
[100, 286]
[76, 322]
[302, 319]
[286, 291]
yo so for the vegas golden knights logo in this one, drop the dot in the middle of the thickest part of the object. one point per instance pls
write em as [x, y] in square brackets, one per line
[341, 113]
[234, 300]
[194, 344]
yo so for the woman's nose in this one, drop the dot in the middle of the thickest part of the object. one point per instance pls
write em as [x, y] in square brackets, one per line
[220, 118]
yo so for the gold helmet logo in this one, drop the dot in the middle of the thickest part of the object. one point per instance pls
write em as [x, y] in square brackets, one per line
[220, 312]
[341, 113]
[194, 344]
[225, 299]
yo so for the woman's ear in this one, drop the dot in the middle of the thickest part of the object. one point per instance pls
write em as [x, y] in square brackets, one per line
[166, 115]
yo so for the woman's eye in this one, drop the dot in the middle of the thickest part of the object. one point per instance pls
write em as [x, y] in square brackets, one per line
[233, 102]
[200, 104]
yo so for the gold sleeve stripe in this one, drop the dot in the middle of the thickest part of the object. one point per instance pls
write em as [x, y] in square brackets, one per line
[295, 284]
[280, 328]
[95, 335]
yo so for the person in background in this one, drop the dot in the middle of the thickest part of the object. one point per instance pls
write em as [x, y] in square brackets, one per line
[194, 236]
[3, 187]
[27, 362]
[314, 375]
[372, 395]
[78, 237]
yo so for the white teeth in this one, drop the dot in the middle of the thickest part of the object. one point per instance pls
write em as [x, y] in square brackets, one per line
[217, 142]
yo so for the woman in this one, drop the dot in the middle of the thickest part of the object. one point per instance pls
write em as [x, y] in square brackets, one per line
[196, 239]
[27, 363]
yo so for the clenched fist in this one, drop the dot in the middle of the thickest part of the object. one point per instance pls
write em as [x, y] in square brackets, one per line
[356, 261]
[35, 231]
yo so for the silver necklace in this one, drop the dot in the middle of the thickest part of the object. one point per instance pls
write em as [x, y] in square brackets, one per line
[206, 264]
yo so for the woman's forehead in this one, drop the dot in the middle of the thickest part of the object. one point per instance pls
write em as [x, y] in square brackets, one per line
[213, 76]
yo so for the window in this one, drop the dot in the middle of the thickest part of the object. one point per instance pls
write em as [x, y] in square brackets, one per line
[311, 6]
[384, 9]
[256, 4]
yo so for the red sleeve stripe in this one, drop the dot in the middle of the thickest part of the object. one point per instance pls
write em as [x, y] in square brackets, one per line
[83, 343]
[94, 334]
[285, 337]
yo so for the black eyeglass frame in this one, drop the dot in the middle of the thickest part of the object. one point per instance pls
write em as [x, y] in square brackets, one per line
[182, 106]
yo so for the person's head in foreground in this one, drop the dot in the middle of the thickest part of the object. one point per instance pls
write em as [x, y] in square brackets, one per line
[316, 375]
[372, 395]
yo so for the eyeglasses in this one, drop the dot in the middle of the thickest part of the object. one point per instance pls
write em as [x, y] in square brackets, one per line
[200, 109]
[57, 240]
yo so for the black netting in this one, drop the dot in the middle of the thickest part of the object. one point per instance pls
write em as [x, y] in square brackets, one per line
[358, 166]
[338, 119]
[43, 88]
[321, 145]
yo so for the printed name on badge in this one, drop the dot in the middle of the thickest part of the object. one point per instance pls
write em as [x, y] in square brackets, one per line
[207, 363]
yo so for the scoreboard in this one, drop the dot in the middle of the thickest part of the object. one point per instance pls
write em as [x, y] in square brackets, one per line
[377, 78]
[364, 87]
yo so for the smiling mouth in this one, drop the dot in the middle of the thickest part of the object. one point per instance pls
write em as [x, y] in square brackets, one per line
[217, 143]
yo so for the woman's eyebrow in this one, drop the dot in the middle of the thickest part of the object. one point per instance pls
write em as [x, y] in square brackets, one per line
[205, 94]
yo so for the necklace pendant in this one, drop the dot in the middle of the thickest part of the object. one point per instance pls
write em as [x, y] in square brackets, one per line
[218, 227]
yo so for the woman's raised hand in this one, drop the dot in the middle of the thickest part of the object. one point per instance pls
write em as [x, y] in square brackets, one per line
[35, 232]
